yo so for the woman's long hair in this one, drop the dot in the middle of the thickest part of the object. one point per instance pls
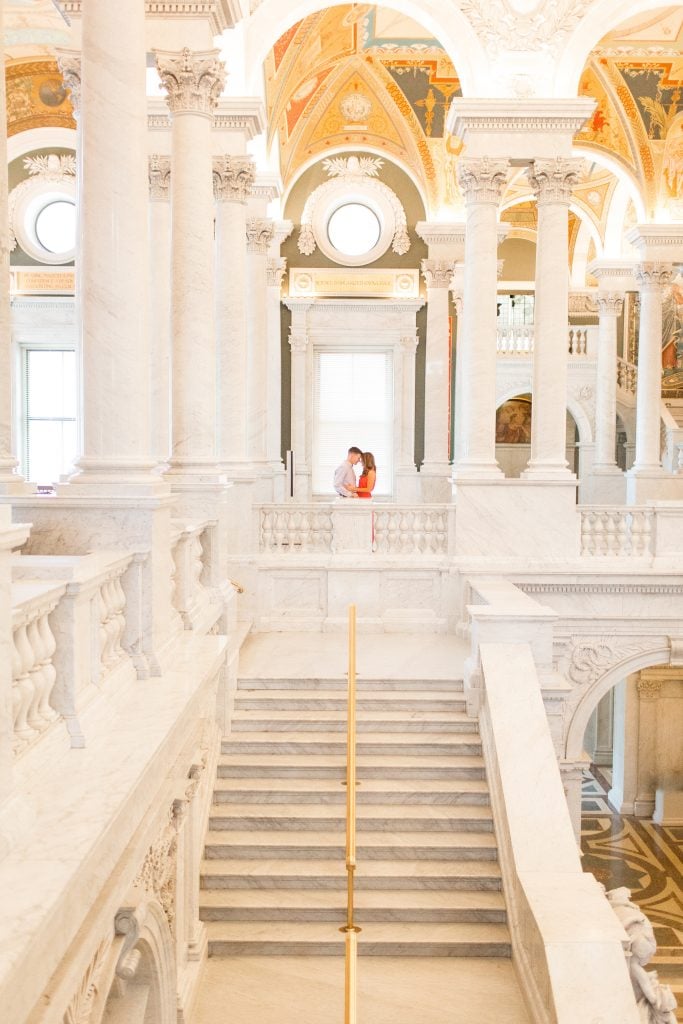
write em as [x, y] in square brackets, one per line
[369, 462]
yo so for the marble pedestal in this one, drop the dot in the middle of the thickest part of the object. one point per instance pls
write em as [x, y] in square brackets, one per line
[642, 486]
[516, 519]
[604, 486]
[435, 483]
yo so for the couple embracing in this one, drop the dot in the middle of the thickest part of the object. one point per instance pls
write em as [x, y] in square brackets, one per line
[345, 478]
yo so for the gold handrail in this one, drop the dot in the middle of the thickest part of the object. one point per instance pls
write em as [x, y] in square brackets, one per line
[350, 929]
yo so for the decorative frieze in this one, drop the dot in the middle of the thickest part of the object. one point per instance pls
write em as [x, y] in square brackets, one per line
[233, 177]
[482, 180]
[159, 169]
[193, 79]
[437, 273]
[259, 235]
[275, 270]
[69, 64]
[553, 180]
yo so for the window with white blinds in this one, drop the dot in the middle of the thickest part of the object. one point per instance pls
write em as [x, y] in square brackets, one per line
[50, 403]
[353, 405]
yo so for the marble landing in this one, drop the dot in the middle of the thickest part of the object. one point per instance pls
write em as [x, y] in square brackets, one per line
[405, 990]
[379, 656]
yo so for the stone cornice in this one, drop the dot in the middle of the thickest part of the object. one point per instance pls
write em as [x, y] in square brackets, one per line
[613, 274]
[356, 305]
[267, 186]
[658, 241]
[221, 14]
[245, 114]
[468, 116]
[441, 233]
[282, 229]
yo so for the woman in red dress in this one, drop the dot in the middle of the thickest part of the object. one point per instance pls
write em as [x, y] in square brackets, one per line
[366, 484]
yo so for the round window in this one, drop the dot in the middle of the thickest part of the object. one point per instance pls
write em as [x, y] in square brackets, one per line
[55, 226]
[354, 229]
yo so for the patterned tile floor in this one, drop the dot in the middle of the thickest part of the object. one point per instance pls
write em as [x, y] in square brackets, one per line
[648, 859]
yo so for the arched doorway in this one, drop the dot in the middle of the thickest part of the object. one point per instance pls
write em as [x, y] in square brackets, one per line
[513, 436]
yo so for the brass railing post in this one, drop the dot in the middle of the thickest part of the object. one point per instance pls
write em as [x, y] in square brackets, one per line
[350, 929]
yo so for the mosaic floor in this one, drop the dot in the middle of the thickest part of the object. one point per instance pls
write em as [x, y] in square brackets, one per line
[648, 859]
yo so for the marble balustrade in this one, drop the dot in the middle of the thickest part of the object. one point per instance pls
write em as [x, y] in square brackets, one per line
[618, 532]
[192, 543]
[33, 671]
[518, 340]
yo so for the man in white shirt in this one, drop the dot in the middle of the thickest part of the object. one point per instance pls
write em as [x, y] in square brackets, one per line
[344, 476]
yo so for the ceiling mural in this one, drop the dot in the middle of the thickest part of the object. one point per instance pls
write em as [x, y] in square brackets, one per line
[37, 97]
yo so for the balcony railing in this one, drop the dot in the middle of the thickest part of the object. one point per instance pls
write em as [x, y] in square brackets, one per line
[617, 532]
[519, 341]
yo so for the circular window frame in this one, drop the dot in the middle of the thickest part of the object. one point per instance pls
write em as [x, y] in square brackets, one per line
[27, 210]
[376, 228]
[342, 194]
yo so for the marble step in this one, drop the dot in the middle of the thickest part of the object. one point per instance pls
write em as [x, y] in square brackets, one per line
[268, 938]
[311, 844]
[330, 905]
[245, 721]
[371, 791]
[377, 818]
[332, 766]
[429, 745]
[340, 683]
[376, 875]
[338, 701]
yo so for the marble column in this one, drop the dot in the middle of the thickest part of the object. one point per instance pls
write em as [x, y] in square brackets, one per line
[649, 689]
[275, 270]
[457, 291]
[160, 303]
[437, 274]
[193, 82]
[233, 178]
[299, 345]
[260, 232]
[406, 471]
[113, 251]
[604, 731]
[610, 305]
[482, 182]
[552, 181]
[651, 277]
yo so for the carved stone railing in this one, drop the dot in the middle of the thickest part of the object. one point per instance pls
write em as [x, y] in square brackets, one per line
[346, 527]
[419, 529]
[33, 671]
[617, 532]
[295, 529]
[191, 593]
[86, 633]
[627, 376]
[519, 340]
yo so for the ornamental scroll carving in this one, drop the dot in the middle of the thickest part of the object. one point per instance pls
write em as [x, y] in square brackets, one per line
[157, 876]
[553, 180]
[193, 80]
[544, 28]
[592, 657]
[79, 1010]
[159, 170]
[259, 235]
[610, 303]
[653, 276]
[275, 271]
[482, 180]
[437, 273]
[233, 178]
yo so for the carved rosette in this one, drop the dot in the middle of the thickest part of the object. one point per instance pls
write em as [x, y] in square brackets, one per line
[298, 342]
[259, 235]
[193, 79]
[69, 64]
[233, 177]
[610, 303]
[275, 270]
[159, 169]
[553, 180]
[653, 276]
[648, 688]
[437, 273]
[482, 180]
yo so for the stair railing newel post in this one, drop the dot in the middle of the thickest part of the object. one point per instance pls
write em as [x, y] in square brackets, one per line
[350, 929]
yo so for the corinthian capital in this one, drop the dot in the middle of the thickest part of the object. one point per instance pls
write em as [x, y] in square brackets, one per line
[482, 180]
[298, 342]
[652, 276]
[259, 235]
[276, 271]
[69, 64]
[233, 177]
[553, 180]
[610, 303]
[438, 273]
[159, 169]
[193, 79]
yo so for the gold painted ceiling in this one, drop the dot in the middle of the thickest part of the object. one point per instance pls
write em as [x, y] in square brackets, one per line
[364, 77]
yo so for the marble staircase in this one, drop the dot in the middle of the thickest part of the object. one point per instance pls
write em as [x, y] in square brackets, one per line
[273, 878]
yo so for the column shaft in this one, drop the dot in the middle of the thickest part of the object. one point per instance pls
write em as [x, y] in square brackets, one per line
[259, 237]
[407, 456]
[482, 182]
[160, 304]
[276, 271]
[552, 181]
[298, 343]
[7, 460]
[650, 278]
[610, 306]
[438, 275]
[113, 265]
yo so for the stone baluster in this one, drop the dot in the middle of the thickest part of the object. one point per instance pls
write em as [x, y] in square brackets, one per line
[552, 181]
[160, 302]
[482, 181]
[193, 82]
[233, 177]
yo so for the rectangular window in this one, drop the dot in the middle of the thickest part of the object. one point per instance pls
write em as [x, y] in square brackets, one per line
[50, 403]
[353, 405]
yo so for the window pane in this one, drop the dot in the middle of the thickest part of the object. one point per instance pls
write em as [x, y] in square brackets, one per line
[55, 226]
[353, 229]
[51, 383]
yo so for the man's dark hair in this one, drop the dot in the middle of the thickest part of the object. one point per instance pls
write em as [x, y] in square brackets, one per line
[354, 451]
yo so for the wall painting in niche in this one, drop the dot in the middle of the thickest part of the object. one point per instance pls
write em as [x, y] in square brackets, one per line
[513, 422]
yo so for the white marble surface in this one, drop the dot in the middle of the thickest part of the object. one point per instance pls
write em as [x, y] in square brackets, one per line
[231, 325]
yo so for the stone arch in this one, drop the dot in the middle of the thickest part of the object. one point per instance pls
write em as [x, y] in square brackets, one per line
[574, 407]
[653, 651]
[447, 24]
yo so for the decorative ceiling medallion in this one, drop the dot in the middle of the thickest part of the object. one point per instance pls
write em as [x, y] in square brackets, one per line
[355, 108]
